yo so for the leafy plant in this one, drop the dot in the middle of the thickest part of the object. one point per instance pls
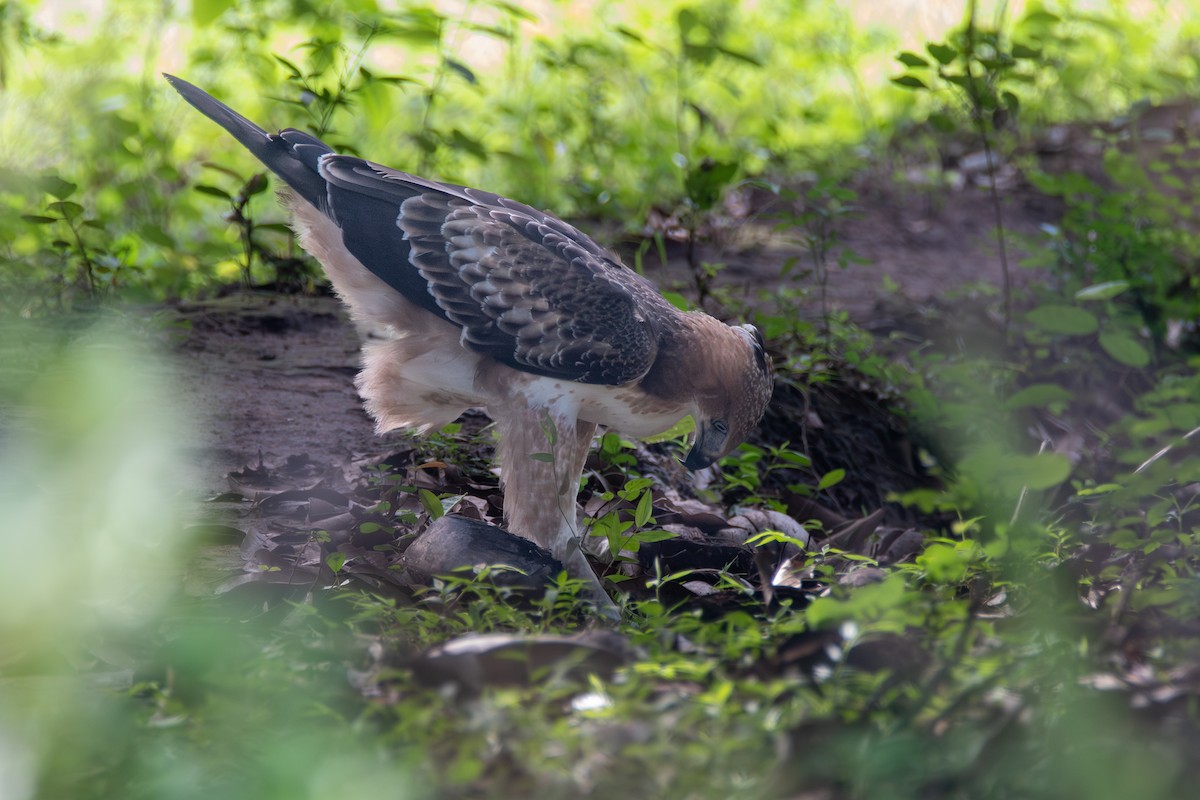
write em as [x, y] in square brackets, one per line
[978, 65]
[95, 265]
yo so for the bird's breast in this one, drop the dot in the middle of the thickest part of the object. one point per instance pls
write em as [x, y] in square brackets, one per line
[627, 409]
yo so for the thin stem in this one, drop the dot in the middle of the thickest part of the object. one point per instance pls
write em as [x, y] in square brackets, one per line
[89, 267]
[977, 116]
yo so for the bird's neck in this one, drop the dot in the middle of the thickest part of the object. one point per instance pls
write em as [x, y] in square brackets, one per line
[686, 354]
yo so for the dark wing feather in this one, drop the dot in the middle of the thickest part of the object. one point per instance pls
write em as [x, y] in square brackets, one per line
[525, 287]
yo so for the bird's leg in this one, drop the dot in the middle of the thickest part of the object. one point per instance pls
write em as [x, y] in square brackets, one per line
[542, 458]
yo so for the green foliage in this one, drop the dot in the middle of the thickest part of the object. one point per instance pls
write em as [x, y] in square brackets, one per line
[1045, 574]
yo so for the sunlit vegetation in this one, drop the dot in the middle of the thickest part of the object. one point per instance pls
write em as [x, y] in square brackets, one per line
[1023, 624]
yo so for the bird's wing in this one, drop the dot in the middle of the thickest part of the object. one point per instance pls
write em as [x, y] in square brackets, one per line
[525, 287]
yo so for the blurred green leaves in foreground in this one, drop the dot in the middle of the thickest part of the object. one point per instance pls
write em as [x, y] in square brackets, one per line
[94, 493]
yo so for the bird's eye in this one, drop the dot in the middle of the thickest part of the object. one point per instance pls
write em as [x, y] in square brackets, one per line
[720, 426]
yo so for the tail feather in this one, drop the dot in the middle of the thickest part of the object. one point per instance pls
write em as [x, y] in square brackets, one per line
[290, 154]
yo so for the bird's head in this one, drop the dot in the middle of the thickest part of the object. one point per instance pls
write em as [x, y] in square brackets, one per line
[732, 394]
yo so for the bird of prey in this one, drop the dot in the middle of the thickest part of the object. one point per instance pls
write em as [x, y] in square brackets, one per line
[493, 304]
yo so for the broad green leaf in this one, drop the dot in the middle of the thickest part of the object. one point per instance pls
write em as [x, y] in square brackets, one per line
[706, 183]
[1025, 51]
[651, 536]
[944, 53]
[1044, 470]
[431, 503]
[204, 188]
[944, 563]
[38, 219]
[256, 185]
[1067, 320]
[1039, 395]
[1009, 473]
[156, 235]
[1041, 17]
[942, 122]
[644, 510]
[831, 478]
[1102, 291]
[67, 208]
[866, 603]
[56, 187]
[1124, 349]
[545, 458]
[461, 141]
[910, 82]
[335, 561]
[910, 59]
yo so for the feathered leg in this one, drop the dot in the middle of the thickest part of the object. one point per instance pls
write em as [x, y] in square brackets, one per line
[541, 461]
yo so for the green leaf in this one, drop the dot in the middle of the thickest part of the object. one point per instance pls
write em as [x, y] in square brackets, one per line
[1124, 349]
[1067, 320]
[944, 53]
[38, 219]
[645, 509]
[156, 235]
[545, 458]
[942, 122]
[335, 561]
[57, 187]
[944, 563]
[68, 209]
[1102, 291]
[205, 12]
[294, 72]
[463, 70]
[998, 471]
[1039, 395]
[1044, 470]
[865, 604]
[910, 82]
[1041, 17]
[204, 188]
[705, 184]
[910, 59]
[256, 185]
[651, 536]
[736, 55]
[431, 503]
[831, 478]
[514, 10]
[1025, 51]
[461, 141]
[681, 428]
[631, 34]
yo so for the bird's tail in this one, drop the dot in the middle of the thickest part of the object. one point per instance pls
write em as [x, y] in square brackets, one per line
[291, 154]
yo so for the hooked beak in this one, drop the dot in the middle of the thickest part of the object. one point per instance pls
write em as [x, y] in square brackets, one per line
[707, 447]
